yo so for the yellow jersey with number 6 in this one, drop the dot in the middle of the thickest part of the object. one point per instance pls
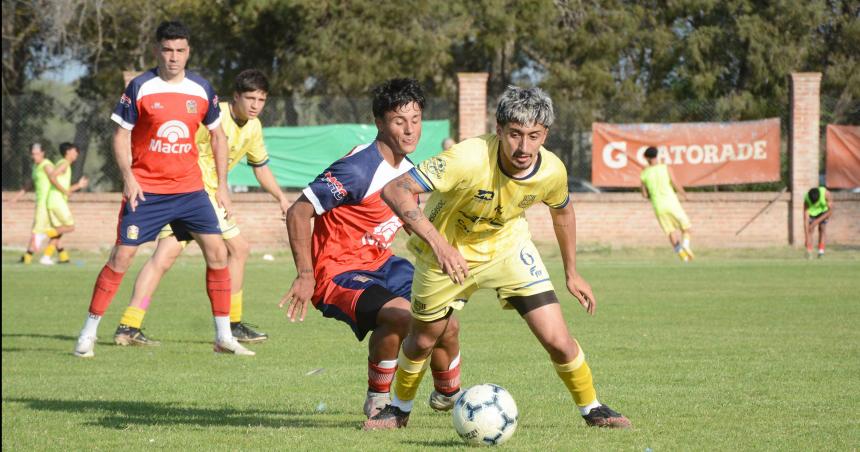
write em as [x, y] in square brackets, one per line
[478, 208]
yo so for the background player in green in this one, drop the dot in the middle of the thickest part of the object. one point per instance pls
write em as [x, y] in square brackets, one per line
[58, 201]
[817, 210]
[658, 184]
[473, 234]
[41, 186]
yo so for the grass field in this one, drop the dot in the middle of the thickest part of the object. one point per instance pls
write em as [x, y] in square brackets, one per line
[741, 350]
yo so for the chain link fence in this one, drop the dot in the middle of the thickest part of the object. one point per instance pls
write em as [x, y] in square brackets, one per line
[51, 118]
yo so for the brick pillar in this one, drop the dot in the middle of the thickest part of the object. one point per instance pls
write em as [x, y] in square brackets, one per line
[472, 104]
[803, 146]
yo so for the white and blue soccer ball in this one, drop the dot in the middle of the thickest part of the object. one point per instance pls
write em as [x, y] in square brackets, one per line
[485, 415]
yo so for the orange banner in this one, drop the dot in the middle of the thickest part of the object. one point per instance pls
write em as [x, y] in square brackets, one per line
[704, 153]
[843, 156]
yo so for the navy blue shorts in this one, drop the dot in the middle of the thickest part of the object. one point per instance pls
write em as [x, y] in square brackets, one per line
[811, 219]
[356, 297]
[184, 212]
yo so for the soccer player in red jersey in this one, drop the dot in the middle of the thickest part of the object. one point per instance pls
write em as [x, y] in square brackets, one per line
[158, 116]
[345, 267]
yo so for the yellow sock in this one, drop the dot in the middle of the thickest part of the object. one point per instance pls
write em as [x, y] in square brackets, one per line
[133, 317]
[408, 376]
[576, 375]
[64, 256]
[52, 233]
[27, 258]
[49, 250]
[236, 307]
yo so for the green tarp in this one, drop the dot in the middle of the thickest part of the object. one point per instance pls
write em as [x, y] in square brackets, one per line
[299, 154]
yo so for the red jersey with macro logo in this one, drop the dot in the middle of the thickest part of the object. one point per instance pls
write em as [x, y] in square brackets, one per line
[163, 118]
[354, 227]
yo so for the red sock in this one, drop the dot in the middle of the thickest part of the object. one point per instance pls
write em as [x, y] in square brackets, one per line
[106, 286]
[448, 381]
[218, 289]
[379, 378]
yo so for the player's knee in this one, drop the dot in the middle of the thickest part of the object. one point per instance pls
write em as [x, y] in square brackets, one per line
[561, 348]
[216, 256]
[120, 260]
[240, 251]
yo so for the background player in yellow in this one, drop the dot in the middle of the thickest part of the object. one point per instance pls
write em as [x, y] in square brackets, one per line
[473, 234]
[658, 184]
[817, 210]
[58, 201]
[41, 183]
[244, 139]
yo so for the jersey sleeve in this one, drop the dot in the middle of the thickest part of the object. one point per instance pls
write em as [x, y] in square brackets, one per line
[557, 196]
[125, 113]
[257, 155]
[213, 113]
[447, 171]
[335, 186]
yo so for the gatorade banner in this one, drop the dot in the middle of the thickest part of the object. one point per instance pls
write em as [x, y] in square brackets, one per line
[843, 156]
[704, 153]
[299, 154]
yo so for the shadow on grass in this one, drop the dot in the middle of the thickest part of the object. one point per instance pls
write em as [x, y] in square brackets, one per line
[122, 414]
[59, 337]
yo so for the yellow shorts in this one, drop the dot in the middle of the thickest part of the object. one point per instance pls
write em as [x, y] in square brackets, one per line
[520, 274]
[60, 214]
[673, 219]
[229, 228]
[41, 219]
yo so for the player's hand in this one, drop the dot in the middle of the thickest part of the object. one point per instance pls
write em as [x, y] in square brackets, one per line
[298, 297]
[83, 182]
[223, 200]
[581, 290]
[132, 192]
[285, 206]
[452, 263]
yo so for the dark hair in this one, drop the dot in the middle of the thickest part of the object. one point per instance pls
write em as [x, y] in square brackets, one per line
[66, 147]
[396, 93]
[251, 80]
[172, 29]
[813, 194]
[651, 152]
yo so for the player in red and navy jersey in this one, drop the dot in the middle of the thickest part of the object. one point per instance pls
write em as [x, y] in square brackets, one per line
[346, 268]
[158, 115]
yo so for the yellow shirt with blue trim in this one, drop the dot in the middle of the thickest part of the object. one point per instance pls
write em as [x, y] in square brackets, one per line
[246, 140]
[478, 208]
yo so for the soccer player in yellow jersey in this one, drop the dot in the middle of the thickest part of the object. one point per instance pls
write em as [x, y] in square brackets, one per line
[244, 139]
[59, 213]
[658, 184]
[473, 234]
[41, 186]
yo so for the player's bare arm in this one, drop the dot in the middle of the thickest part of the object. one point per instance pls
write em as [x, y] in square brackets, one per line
[219, 151]
[131, 190]
[678, 187]
[299, 217]
[270, 184]
[564, 225]
[399, 194]
[644, 191]
[53, 174]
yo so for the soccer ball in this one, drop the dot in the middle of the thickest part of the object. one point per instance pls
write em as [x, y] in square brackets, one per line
[485, 415]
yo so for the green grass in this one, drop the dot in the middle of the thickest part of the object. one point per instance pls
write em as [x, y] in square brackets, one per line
[740, 350]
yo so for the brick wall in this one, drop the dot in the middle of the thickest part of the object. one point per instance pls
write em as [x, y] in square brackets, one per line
[803, 142]
[471, 104]
[616, 219]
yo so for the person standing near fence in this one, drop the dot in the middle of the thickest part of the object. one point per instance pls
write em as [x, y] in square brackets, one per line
[659, 185]
[59, 214]
[41, 184]
[817, 210]
[158, 116]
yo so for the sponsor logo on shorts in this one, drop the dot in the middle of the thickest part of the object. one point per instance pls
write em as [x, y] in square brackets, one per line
[168, 136]
[191, 106]
[157, 106]
[529, 260]
[418, 306]
[435, 167]
[526, 202]
[485, 195]
[132, 232]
